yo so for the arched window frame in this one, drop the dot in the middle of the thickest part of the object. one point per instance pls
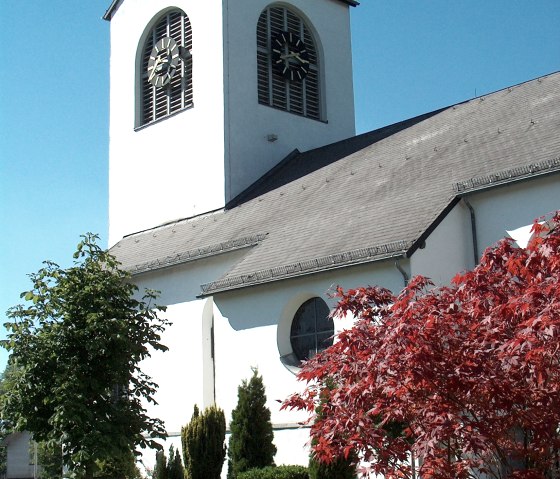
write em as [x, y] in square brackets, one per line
[155, 104]
[311, 322]
[301, 98]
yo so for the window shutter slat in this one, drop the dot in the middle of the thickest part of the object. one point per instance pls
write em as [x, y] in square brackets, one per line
[157, 103]
[300, 98]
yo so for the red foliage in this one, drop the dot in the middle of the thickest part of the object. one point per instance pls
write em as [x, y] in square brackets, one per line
[467, 377]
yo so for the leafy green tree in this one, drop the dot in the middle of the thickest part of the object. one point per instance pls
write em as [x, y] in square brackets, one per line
[75, 352]
[203, 443]
[250, 443]
[175, 465]
[50, 459]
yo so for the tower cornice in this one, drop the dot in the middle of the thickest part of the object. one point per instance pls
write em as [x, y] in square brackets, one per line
[115, 4]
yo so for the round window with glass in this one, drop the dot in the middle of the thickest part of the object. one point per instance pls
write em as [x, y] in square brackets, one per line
[312, 329]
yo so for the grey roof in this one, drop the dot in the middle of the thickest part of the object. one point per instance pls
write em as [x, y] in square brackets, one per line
[368, 198]
[115, 4]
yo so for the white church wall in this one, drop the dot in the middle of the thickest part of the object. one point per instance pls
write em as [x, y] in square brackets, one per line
[512, 206]
[166, 170]
[447, 250]
[248, 124]
[178, 371]
[21, 456]
[252, 330]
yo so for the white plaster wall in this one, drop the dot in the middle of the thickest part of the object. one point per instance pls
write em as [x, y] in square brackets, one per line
[196, 160]
[248, 153]
[247, 335]
[512, 206]
[174, 168]
[448, 250]
[20, 456]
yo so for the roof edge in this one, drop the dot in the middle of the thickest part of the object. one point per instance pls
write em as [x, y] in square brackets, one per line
[303, 268]
[115, 4]
[507, 176]
[196, 254]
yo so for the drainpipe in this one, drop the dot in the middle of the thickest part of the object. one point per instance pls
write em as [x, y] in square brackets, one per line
[402, 271]
[473, 230]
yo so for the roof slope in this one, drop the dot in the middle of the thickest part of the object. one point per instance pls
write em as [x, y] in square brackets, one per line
[368, 197]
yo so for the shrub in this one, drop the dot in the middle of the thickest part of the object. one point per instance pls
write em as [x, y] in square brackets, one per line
[160, 469]
[250, 443]
[338, 469]
[174, 465]
[280, 472]
[203, 444]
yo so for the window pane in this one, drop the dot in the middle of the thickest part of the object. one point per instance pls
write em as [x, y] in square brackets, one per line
[312, 329]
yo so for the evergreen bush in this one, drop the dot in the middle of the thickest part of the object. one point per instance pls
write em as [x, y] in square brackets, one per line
[203, 441]
[250, 443]
[175, 465]
[160, 469]
[280, 472]
[338, 469]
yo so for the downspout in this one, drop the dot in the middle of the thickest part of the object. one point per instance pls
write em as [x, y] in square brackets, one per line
[473, 230]
[402, 271]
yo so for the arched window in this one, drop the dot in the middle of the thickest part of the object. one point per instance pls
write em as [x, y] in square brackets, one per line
[166, 68]
[287, 63]
[312, 329]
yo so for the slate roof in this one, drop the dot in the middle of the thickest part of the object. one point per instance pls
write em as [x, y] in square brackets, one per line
[367, 198]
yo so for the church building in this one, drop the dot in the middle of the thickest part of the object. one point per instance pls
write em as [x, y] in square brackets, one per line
[239, 189]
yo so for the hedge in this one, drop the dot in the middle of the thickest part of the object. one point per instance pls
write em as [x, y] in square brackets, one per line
[280, 472]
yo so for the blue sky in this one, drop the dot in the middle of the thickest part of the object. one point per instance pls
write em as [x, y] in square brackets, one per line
[410, 57]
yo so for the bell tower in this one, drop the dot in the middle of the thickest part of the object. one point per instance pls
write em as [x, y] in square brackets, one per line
[206, 97]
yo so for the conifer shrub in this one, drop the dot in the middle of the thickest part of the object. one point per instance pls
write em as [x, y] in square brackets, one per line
[280, 472]
[338, 469]
[160, 469]
[203, 440]
[250, 443]
[175, 465]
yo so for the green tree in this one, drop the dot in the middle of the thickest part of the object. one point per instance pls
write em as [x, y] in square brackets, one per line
[250, 443]
[203, 443]
[75, 352]
[175, 465]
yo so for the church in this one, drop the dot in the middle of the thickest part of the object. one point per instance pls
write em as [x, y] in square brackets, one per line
[239, 189]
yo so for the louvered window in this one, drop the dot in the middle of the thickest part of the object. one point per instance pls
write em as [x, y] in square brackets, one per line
[299, 97]
[159, 102]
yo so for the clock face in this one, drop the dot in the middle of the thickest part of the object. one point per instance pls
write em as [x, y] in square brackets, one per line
[163, 62]
[289, 56]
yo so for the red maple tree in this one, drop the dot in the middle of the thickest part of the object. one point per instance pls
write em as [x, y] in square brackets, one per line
[466, 377]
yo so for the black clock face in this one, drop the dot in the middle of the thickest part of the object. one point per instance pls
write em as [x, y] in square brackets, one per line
[289, 56]
[163, 62]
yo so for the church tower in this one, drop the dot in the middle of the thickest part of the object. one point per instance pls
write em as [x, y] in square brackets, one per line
[206, 97]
